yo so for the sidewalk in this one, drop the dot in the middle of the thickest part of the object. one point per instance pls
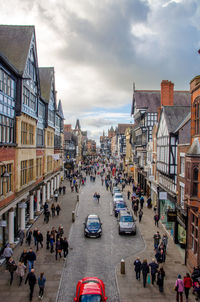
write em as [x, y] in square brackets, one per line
[45, 260]
[131, 289]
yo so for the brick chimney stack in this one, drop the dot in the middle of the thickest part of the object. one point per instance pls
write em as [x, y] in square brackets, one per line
[167, 93]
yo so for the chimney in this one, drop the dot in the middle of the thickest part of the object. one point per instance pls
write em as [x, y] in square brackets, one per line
[167, 93]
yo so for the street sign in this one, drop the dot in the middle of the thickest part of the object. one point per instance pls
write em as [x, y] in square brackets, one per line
[22, 205]
[3, 223]
[163, 195]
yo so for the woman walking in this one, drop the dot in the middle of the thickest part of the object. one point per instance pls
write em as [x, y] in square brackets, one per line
[41, 284]
[11, 268]
[20, 271]
[29, 238]
[187, 285]
[179, 287]
[58, 248]
[53, 210]
[145, 271]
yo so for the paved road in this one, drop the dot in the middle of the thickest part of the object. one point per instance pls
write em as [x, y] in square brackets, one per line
[96, 257]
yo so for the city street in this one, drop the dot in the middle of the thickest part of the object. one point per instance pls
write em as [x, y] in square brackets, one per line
[91, 256]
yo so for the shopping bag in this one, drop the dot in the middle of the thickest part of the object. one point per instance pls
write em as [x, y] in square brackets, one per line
[148, 279]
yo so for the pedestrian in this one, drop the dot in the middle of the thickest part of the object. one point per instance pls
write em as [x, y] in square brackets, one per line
[65, 246]
[11, 266]
[46, 206]
[7, 253]
[60, 190]
[156, 238]
[179, 288]
[31, 257]
[141, 202]
[135, 209]
[58, 248]
[128, 194]
[187, 285]
[56, 195]
[145, 271]
[20, 271]
[31, 278]
[137, 264]
[29, 237]
[47, 215]
[154, 268]
[47, 240]
[160, 255]
[149, 203]
[41, 284]
[39, 240]
[53, 210]
[140, 213]
[24, 257]
[58, 208]
[21, 237]
[51, 241]
[160, 279]
[165, 241]
[64, 190]
[156, 219]
[35, 232]
[98, 197]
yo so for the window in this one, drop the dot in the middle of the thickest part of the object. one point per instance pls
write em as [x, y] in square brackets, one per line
[48, 138]
[31, 129]
[182, 166]
[6, 129]
[49, 163]
[8, 180]
[182, 193]
[195, 182]
[24, 172]
[38, 167]
[32, 102]
[194, 233]
[40, 137]
[26, 95]
[196, 116]
[24, 132]
[7, 84]
[30, 170]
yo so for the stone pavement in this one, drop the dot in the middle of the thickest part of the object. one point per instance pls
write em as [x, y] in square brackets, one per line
[45, 260]
[131, 289]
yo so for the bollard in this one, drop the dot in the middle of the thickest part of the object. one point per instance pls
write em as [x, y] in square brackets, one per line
[122, 267]
[73, 216]
[77, 197]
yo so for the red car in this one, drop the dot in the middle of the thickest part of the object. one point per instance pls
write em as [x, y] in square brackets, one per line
[90, 289]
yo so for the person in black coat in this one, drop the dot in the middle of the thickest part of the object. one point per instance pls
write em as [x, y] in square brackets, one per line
[31, 278]
[154, 268]
[160, 279]
[31, 257]
[23, 257]
[39, 240]
[137, 264]
[29, 237]
[65, 246]
[145, 271]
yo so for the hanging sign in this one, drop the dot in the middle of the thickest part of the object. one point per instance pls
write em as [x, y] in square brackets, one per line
[171, 215]
[3, 223]
[163, 195]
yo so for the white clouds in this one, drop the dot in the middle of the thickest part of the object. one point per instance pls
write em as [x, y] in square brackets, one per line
[98, 48]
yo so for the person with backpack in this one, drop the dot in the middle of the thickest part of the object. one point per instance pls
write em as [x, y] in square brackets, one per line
[160, 279]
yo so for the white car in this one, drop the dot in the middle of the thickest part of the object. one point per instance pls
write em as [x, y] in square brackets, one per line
[115, 190]
[118, 197]
[126, 223]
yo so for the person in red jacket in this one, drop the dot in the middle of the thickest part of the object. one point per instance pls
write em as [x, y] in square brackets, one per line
[187, 285]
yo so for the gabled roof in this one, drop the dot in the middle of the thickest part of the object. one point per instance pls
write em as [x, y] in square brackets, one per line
[187, 118]
[46, 76]
[151, 99]
[195, 148]
[60, 110]
[15, 43]
[174, 115]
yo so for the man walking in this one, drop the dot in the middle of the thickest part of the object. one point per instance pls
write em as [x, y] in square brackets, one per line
[154, 267]
[31, 278]
[137, 264]
[156, 238]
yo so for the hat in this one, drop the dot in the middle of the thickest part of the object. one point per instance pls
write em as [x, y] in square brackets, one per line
[179, 276]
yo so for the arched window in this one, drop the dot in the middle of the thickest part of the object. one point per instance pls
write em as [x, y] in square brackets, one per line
[197, 115]
[195, 182]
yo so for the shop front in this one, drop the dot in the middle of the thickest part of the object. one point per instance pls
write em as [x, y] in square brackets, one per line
[167, 210]
[154, 194]
[181, 229]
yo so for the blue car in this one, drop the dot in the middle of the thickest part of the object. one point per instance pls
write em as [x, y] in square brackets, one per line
[92, 226]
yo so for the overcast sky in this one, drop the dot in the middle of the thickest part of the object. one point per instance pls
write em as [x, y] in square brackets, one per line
[100, 47]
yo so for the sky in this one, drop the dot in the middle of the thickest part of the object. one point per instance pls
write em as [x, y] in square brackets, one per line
[99, 48]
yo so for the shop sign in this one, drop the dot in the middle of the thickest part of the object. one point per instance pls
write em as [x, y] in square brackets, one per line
[22, 205]
[3, 223]
[171, 215]
[56, 156]
[163, 195]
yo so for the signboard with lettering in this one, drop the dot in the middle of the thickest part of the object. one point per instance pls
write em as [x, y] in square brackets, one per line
[171, 215]
[3, 223]
[163, 195]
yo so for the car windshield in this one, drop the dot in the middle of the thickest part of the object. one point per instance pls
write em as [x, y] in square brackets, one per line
[93, 223]
[120, 205]
[118, 196]
[90, 298]
[126, 219]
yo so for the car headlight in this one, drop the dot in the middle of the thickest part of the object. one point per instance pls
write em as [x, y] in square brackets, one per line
[99, 231]
[86, 230]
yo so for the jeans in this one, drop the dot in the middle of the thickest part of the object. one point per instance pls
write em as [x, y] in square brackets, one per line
[144, 279]
[138, 275]
[41, 292]
[65, 253]
[153, 278]
[30, 265]
[11, 277]
[31, 290]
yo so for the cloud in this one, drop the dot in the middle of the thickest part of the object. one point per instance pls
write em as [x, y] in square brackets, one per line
[98, 48]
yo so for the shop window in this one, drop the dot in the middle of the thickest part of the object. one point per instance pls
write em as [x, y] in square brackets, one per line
[194, 233]
[195, 182]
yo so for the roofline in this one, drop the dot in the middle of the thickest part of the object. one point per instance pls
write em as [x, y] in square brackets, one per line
[186, 119]
[6, 61]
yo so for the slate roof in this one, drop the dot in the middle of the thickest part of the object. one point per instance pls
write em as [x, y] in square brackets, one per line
[151, 99]
[174, 115]
[122, 128]
[46, 77]
[60, 110]
[15, 43]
